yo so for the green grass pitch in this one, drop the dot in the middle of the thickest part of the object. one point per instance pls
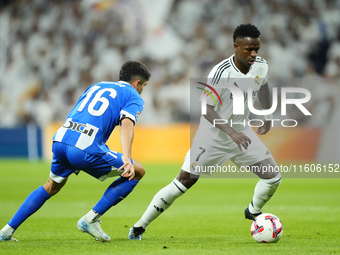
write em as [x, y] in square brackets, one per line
[207, 220]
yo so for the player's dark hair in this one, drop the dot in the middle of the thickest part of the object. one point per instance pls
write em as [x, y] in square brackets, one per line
[133, 70]
[246, 30]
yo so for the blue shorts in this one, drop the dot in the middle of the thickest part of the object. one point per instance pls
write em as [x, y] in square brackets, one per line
[68, 159]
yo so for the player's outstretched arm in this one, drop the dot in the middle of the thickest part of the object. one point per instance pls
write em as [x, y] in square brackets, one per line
[126, 138]
[266, 103]
[238, 137]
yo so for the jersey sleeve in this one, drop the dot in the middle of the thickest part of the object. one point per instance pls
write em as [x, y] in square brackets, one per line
[132, 109]
[265, 79]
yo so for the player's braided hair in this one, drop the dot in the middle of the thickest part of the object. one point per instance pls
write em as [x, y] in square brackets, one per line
[133, 70]
[246, 30]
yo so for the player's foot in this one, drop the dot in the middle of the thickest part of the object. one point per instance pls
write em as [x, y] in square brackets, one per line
[136, 233]
[93, 228]
[249, 215]
[4, 237]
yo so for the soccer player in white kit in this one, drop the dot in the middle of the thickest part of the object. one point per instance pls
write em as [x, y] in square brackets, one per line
[215, 145]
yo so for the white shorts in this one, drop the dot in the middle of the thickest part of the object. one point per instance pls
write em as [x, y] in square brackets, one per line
[202, 154]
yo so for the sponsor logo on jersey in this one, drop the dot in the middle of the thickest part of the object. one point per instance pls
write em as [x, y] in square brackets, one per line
[79, 127]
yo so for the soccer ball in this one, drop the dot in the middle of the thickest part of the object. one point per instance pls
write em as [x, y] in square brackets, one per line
[266, 228]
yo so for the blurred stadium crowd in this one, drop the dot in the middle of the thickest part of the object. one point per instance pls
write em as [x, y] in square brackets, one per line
[51, 51]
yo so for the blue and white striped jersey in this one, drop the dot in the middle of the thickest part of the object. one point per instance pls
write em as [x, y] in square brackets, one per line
[97, 112]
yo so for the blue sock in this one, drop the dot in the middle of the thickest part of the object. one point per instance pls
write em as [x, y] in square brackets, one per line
[115, 193]
[32, 204]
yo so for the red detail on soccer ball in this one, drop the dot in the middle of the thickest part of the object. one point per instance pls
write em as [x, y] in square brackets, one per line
[266, 228]
[257, 229]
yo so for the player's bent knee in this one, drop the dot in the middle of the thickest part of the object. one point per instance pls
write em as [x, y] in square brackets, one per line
[140, 173]
[53, 187]
[187, 179]
[275, 175]
[139, 170]
[275, 181]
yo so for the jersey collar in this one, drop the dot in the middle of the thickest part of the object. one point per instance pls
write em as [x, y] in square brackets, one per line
[233, 63]
[234, 66]
[124, 82]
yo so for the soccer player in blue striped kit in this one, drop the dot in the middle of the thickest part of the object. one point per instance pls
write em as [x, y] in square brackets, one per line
[80, 145]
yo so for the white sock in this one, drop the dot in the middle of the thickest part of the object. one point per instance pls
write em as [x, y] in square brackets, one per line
[264, 190]
[8, 230]
[161, 201]
[92, 215]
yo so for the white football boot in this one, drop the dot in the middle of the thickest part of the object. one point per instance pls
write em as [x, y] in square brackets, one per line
[93, 228]
[4, 237]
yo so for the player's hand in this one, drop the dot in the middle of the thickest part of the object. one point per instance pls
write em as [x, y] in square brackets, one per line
[240, 139]
[129, 170]
[264, 128]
